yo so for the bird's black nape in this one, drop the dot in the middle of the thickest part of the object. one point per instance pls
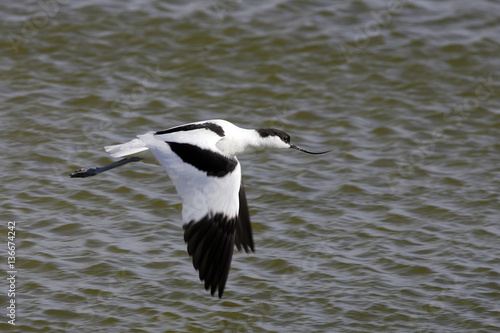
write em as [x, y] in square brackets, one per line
[265, 132]
[307, 151]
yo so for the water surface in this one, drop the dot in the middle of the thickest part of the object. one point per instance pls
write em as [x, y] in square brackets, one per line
[396, 230]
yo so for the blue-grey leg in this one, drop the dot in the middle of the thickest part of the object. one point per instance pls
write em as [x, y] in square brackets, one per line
[82, 173]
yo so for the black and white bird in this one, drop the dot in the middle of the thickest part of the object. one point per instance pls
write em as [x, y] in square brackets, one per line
[200, 159]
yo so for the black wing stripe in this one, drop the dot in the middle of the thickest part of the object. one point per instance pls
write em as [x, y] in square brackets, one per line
[213, 163]
[243, 237]
[209, 126]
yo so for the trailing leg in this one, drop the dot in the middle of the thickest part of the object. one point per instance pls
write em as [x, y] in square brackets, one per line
[82, 173]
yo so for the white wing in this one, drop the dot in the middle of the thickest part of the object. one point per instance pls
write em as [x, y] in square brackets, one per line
[209, 184]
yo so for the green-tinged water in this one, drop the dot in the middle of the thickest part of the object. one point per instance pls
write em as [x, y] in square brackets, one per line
[396, 230]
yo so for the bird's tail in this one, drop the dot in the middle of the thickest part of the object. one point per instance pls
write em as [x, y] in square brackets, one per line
[133, 147]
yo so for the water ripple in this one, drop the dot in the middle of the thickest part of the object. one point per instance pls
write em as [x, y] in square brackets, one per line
[395, 230]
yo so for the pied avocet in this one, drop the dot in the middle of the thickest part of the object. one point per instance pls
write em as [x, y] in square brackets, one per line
[200, 158]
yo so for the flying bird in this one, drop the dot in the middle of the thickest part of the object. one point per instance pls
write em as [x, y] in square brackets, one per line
[200, 159]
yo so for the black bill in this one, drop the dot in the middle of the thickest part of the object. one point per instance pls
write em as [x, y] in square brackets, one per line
[309, 152]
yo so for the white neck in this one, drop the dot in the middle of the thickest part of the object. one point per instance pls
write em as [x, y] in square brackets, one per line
[247, 141]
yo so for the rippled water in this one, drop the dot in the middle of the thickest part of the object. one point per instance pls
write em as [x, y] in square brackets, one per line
[396, 230]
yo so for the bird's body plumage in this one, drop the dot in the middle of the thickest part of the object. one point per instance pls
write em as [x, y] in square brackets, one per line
[200, 159]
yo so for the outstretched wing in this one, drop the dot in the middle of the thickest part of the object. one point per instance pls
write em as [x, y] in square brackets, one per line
[211, 243]
[213, 199]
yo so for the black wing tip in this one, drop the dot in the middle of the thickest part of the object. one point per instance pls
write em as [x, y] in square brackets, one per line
[214, 288]
[210, 242]
[244, 247]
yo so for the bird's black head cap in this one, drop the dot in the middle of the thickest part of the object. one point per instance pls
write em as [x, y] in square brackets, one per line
[265, 132]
